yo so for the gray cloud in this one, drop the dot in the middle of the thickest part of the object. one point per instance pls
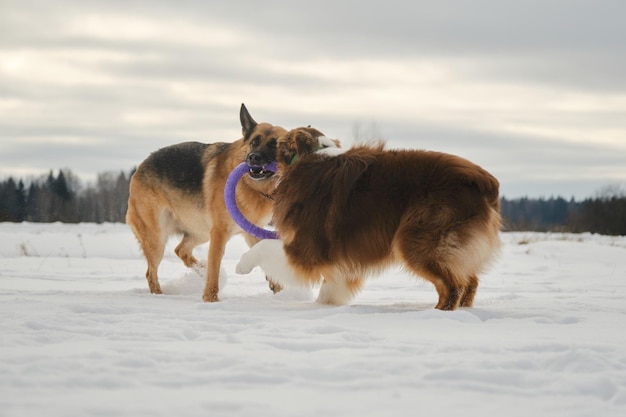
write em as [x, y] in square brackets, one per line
[533, 90]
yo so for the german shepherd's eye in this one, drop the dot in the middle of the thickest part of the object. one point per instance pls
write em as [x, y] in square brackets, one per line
[256, 141]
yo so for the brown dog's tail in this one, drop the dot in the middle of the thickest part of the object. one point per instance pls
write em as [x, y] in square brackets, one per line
[475, 176]
[489, 186]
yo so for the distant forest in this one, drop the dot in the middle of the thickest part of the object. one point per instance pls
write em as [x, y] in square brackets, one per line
[63, 198]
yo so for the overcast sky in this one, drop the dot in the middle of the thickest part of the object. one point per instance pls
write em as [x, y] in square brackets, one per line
[533, 91]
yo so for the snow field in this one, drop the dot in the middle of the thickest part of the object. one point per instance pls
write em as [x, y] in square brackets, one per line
[81, 335]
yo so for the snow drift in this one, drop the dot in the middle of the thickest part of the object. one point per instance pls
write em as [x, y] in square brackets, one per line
[81, 335]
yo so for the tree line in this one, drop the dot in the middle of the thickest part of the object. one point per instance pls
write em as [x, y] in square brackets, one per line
[604, 214]
[63, 198]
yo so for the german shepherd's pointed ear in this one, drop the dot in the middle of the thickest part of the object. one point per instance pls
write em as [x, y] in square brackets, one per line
[247, 122]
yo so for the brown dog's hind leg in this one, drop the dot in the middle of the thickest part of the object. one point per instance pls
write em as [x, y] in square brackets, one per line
[449, 295]
[427, 255]
[449, 288]
[470, 291]
[451, 300]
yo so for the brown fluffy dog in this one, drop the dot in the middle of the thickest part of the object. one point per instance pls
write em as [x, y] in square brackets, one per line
[342, 217]
[180, 190]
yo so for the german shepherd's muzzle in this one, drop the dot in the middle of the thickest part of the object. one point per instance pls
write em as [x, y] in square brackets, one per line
[258, 158]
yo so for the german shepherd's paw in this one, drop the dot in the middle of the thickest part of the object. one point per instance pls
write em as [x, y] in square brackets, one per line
[199, 268]
[210, 297]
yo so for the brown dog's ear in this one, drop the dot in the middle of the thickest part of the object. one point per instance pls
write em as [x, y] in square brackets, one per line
[305, 142]
[286, 148]
[297, 142]
[313, 132]
[247, 122]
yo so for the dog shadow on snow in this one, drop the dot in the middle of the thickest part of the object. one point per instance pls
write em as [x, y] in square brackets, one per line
[192, 283]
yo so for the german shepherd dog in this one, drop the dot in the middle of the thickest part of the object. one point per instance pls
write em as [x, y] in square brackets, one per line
[342, 217]
[179, 189]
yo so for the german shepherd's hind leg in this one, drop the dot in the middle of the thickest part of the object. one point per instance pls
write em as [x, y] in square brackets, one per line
[152, 274]
[143, 220]
[217, 245]
[184, 250]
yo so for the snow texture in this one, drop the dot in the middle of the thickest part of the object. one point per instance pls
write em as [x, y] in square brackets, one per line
[80, 335]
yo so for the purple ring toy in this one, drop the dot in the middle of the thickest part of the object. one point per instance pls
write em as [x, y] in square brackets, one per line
[231, 202]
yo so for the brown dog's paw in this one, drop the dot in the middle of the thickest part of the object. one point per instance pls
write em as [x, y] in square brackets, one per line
[274, 286]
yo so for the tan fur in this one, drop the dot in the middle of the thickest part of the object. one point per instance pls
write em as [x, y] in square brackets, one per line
[180, 190]
[345, 217]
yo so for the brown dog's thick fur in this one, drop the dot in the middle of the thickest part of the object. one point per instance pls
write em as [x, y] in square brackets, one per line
[180, 190]
[343, 217]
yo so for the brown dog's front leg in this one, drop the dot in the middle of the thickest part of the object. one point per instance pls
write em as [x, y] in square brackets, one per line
[274, 286]
[217, 244]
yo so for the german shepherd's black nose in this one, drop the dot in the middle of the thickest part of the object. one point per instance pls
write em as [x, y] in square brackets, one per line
[256, 159]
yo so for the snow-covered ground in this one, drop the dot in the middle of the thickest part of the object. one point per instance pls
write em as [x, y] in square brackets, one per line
[81, 336]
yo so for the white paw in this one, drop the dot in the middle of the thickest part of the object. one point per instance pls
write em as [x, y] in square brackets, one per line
[335, 293]
[246, 264]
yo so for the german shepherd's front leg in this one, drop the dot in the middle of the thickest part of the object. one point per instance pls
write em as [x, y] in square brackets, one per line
[217, 244]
